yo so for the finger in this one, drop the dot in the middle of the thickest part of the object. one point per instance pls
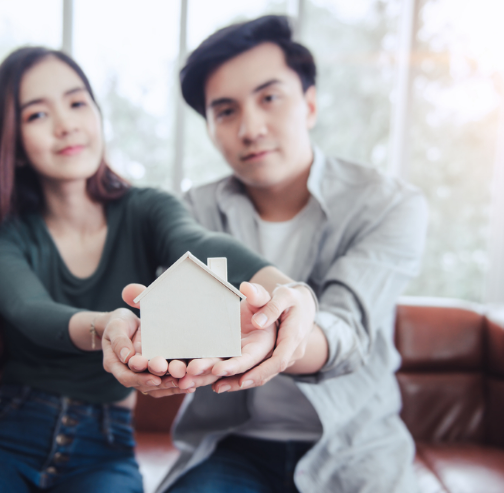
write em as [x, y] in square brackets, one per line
[283, 298]
[201, 366]
[239, 382]
[123, 374]
[158, 366]
[164, 393]
[238, 364]
[256, 294]
[137, 340]
[138, 363]
[193, 382]
[130, 292]
[177, 368]
[118, 332]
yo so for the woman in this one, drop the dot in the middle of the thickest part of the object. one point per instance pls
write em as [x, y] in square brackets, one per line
[72, 235]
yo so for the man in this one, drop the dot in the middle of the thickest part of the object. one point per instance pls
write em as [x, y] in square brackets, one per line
[330, 423]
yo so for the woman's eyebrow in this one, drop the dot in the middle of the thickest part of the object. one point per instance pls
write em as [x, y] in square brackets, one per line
[43, 100]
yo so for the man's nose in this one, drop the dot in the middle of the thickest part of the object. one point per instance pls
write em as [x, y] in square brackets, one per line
[252, 125]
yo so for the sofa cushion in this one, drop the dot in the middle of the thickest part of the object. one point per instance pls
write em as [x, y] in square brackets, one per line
[464, 468]
[443, 407]
[439, 338]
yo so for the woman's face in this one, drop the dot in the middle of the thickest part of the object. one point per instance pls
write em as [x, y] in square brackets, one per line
[60, 124]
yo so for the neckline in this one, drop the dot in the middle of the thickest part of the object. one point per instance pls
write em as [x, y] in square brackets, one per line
[108, 210]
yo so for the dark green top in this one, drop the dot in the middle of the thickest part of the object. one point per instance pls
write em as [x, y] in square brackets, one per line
[38, 294]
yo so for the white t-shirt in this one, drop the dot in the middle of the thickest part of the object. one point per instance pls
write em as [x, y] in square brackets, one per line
[279, 410]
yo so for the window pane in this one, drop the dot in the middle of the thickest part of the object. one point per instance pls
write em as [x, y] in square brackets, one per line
[354, 45]
[30, 22]
[455, 113]
[202, 163]
[129, 51]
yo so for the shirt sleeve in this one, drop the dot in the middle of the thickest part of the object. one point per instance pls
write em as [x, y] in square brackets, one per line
[361, 287]
[26, 304]
[174, 232]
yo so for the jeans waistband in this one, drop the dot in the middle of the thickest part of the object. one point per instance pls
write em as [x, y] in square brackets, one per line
[24, 393]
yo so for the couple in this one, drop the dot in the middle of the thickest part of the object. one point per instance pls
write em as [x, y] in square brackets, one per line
[320, 414]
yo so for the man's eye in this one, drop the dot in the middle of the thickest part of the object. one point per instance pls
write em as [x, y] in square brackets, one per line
[225, 113]
[35, 116]
[270, 97]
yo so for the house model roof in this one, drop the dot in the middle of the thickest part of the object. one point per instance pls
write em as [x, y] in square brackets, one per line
[191, 257]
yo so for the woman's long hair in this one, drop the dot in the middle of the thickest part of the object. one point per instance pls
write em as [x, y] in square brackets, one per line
[20, 190]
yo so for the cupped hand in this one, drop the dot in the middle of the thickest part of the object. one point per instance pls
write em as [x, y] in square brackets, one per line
[273, 353]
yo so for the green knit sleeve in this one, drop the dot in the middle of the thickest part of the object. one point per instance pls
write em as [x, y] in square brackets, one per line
[173, 232]
[25, 303]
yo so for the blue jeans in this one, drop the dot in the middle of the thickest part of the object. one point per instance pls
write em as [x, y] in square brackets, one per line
[245, 465]
[54, 444]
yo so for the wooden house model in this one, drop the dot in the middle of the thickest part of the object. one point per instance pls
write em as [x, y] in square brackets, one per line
[191, 311]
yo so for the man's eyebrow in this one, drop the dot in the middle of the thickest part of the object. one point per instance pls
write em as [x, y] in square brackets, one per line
[219, 101]
[43, 100]
[267, 84]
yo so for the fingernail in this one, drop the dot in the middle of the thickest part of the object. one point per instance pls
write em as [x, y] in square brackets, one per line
[191, 385]
[261, 319]
[190, 391]
[152, 383]
[222, 374]
[124, 354]
[252, 285]
[247, 383]
[223, 388]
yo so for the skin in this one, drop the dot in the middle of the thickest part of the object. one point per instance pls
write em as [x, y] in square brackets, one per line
[62, 138]
[259, 118]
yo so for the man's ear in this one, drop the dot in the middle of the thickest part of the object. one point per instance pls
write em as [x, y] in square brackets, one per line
[311, 105]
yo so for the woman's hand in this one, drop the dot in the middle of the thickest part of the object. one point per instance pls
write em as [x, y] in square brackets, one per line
[119, 339]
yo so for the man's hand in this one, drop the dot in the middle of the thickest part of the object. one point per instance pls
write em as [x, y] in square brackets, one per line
[294, 308]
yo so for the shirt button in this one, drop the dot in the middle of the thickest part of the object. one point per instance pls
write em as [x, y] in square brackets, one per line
[63, 440]
[51, 470]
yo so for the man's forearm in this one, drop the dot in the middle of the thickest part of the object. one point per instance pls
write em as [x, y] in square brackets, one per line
[315, 357]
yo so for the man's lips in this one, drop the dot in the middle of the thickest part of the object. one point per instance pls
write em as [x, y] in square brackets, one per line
[256, 156]
[71, 150]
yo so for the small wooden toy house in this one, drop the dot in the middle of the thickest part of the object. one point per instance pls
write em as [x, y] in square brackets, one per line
[191, 311]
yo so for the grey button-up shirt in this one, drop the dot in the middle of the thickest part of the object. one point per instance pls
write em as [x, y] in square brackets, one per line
[368, 243]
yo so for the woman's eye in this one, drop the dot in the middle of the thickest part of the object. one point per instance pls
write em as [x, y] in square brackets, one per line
[78, 104]
[35, 116]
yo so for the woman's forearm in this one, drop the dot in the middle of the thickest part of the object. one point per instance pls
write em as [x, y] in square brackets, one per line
[80, 332]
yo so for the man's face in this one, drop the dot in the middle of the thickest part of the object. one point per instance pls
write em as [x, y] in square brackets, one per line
[259, 117]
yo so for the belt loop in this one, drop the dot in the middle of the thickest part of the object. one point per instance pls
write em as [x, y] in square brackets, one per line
[107, 430]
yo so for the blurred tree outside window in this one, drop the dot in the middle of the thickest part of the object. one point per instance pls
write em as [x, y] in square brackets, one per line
[129, 50]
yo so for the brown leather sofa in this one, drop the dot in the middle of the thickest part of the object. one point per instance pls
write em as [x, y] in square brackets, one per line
[452, 382]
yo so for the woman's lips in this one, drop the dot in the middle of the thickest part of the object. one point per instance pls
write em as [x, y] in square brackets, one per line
[71, 150]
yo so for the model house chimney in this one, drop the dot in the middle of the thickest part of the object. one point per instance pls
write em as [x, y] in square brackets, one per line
[218, 265]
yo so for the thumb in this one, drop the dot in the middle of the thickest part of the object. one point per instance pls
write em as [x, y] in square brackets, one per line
[130, 292]
[256, 294]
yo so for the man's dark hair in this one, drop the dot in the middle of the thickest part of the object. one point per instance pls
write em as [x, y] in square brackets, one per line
[236, 39]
